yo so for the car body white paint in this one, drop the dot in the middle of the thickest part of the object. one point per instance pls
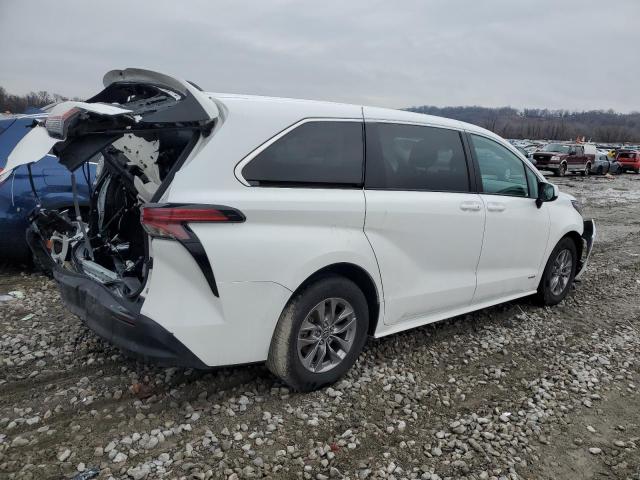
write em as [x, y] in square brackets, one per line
[428, 258]
[430, 255]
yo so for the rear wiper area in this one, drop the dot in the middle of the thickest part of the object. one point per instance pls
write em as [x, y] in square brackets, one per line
[153, 104]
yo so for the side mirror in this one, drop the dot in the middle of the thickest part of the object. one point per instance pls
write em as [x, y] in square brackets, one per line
[547, 192]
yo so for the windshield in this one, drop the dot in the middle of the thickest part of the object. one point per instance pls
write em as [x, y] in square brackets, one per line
[556, 147]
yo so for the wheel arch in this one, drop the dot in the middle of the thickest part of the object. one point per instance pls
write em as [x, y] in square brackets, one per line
[566, 223]
[357, 275]
[577, 240]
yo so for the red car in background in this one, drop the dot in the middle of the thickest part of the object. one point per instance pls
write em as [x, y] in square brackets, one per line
[629, 160]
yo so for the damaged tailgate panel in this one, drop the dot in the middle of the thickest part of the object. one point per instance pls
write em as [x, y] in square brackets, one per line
[139, 130]
[150, 98]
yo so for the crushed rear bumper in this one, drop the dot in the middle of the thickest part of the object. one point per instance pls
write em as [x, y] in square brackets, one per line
[589, 236]
[120, 322]
[116, 319]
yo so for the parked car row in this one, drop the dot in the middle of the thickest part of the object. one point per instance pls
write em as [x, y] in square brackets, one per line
[562, 158]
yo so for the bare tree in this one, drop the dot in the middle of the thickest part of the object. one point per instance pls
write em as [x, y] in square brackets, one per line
[20, 103]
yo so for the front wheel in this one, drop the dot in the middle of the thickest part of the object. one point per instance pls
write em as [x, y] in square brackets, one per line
[320, 334]
[559, 273]
[562, 170]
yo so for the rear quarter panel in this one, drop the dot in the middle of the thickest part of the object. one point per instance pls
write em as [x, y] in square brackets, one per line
[289, 233]
[234, 328]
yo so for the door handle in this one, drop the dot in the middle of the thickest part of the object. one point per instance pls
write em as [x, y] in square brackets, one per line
[470, 206]
[496, 207]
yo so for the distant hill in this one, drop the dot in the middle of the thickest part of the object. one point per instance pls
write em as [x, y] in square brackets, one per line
[596, 125]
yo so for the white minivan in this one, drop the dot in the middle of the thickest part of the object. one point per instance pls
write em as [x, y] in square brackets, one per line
[229, 229]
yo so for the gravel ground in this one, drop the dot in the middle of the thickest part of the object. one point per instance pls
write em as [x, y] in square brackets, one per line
[514, 391]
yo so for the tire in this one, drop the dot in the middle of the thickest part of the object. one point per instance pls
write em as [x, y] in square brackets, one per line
[291, 342]
[548, 291]
[585, 172]
[562, 170]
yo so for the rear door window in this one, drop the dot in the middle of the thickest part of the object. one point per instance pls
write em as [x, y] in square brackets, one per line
[414, 157]
[316, 153]
[502, 172]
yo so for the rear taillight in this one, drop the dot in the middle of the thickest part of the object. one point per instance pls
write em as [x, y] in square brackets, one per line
[58, 125]
[170, 221]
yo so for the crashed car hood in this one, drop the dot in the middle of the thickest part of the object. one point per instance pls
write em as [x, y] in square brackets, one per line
[186, 104]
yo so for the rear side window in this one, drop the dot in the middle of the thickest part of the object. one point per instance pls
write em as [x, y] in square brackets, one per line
[502, 172]
[413, 157]
[316, 153]
[577, 150]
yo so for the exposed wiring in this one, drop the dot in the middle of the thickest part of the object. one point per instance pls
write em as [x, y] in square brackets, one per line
[74, 188]
[13, 199]
[33, 186]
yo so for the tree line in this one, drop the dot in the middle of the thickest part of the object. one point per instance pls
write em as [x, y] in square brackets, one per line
[534, 123]
[10, 103]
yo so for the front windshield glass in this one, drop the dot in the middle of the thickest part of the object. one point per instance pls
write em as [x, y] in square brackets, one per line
[556, 147]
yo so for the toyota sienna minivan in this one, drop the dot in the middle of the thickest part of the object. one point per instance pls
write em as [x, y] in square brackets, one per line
[230, 229]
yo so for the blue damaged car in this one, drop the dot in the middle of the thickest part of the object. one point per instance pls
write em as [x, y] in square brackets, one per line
[51, 182]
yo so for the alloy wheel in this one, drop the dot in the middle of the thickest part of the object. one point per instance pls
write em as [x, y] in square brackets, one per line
[326, 335]
[561, 272]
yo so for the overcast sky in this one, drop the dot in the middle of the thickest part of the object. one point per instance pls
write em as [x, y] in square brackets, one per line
[575, 54]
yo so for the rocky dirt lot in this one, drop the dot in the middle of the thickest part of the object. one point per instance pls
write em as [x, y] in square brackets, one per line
[514, 391]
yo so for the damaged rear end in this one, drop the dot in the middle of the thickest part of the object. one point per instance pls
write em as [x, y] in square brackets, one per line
[139, 130]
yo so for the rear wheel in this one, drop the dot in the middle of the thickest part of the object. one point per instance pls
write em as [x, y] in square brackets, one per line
[587, 169]
[559, 273]
[319, 334]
